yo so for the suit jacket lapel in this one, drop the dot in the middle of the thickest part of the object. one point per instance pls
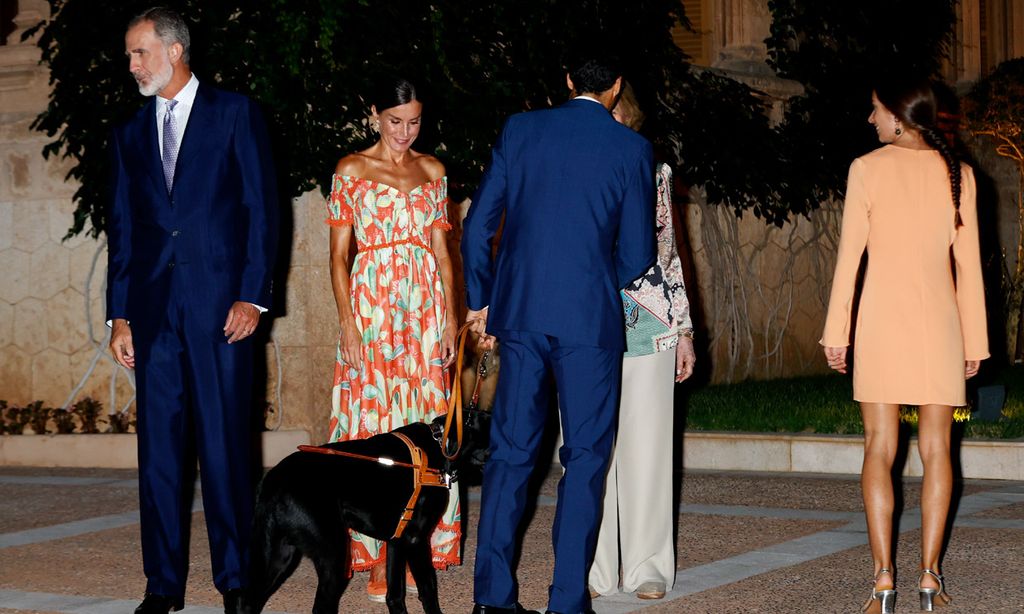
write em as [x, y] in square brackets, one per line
[200, 126]
[151, 147]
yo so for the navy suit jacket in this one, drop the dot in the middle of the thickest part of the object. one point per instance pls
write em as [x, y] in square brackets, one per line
[577, 192]
[217, 229]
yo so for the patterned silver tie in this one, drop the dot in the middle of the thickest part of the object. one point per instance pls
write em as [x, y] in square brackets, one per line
[170, 144]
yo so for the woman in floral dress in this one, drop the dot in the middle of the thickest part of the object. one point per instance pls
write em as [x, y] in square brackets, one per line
[394, 299]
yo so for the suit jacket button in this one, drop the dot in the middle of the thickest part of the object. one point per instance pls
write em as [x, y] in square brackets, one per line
[175, 233]
[170, 265]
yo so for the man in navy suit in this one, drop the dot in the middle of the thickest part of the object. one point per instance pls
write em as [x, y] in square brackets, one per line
[192, 236]
[576, 191]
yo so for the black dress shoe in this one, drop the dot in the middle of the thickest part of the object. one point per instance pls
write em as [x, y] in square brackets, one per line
[233, 601]
[159, 604]
[493, 609]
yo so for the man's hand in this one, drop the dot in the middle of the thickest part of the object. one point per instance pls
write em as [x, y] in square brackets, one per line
[242, 320]
[121, 347]
[477, 321]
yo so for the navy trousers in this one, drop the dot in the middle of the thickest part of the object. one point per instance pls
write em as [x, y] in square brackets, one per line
[193, 400]
[588, 381]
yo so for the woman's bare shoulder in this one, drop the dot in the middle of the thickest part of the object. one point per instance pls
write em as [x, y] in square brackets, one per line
[429, 166]
[354, 164]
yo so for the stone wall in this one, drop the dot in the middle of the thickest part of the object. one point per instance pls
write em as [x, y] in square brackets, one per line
[758, 292]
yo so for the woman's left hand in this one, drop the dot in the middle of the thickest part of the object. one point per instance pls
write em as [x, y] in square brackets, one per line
[448, 346]
[971, 368]
[685, 358]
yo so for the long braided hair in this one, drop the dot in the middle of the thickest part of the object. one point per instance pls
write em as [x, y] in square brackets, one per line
[915, 104]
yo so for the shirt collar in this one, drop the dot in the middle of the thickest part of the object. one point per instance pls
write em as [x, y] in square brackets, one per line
[186, 96]
[591, 99]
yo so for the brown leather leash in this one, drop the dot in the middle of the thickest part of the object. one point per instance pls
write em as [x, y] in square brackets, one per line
[423, 474]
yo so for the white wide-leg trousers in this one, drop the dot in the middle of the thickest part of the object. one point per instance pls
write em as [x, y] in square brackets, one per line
[638, 513]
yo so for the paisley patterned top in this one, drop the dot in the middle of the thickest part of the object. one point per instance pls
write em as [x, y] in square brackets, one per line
[397, 299]
[655, 305]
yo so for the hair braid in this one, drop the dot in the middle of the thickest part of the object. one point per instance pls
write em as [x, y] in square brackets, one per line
[935, 139]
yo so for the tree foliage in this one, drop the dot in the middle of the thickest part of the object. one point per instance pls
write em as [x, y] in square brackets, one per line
[311, 62]
[994, 110]
[838, 50]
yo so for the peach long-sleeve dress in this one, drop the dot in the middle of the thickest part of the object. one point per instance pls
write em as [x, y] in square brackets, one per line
[918, 318]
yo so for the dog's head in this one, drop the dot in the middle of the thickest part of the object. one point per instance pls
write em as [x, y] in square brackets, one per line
[476, 439]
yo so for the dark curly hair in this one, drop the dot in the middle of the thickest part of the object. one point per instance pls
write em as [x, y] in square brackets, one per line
[915, 104]
[594, 69]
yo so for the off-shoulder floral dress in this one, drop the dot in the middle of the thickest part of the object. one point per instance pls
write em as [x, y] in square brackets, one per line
[397, 300]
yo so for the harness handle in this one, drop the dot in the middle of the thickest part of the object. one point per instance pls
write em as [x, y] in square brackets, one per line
[455, 406]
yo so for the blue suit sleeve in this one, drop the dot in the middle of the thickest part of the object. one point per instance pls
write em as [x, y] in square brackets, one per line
[119, 233]
[480, 226]
[259, 196]
[635, 250]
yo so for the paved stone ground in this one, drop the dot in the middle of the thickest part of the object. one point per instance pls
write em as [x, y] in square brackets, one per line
[746, 543]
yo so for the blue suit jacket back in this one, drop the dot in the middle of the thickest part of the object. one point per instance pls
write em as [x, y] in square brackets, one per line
[217, 229]
[577, 192]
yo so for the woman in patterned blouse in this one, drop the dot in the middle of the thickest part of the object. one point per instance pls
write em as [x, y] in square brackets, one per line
[638, 514]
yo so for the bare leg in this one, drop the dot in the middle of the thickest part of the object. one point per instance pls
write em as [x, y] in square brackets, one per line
[933, 444]
[881, 436]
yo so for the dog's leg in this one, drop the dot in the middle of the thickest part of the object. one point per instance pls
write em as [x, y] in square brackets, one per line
[331, 560]
[423, 572]
[396, 563]
[271, 561]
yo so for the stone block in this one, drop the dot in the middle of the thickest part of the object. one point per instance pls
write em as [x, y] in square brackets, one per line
[291, 330]
[736, 452]
[15, 375]
[279, 444]
[81, 257]
[31, 224]
[30, 325]
[56, 170]
[828, 454]
[66, 327]
[297, 369]
[61, 215]
[321, 312]
[6, 225]
[97, 386]
[992, 460]
[6, 325]
[15, 282]
[17, 172]
[49, 270]
[51, 377]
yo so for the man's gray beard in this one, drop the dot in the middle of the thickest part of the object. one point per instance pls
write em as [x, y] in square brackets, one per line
[158, 82]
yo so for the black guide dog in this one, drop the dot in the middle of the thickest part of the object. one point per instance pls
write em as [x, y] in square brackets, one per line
[309, 501]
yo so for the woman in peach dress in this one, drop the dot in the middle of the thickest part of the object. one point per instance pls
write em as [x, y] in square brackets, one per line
[394, 300]
[920, 328]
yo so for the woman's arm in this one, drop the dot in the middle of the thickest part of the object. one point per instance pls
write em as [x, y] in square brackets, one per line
[341, 242]
[439, 245]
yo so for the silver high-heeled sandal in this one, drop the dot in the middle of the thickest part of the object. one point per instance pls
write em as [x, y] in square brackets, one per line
[931, 597]
[883, 601]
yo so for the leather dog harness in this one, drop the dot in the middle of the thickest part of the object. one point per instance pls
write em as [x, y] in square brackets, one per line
[423, 474]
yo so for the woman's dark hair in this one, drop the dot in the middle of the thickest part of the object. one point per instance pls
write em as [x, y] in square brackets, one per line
[915, 104]
[392, 93]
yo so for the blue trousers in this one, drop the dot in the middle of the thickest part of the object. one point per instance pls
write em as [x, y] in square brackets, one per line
[193, 400]
[588, 381]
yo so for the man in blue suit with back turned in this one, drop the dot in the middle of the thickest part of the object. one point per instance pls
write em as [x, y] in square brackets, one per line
[192, 236]
[576, 190]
